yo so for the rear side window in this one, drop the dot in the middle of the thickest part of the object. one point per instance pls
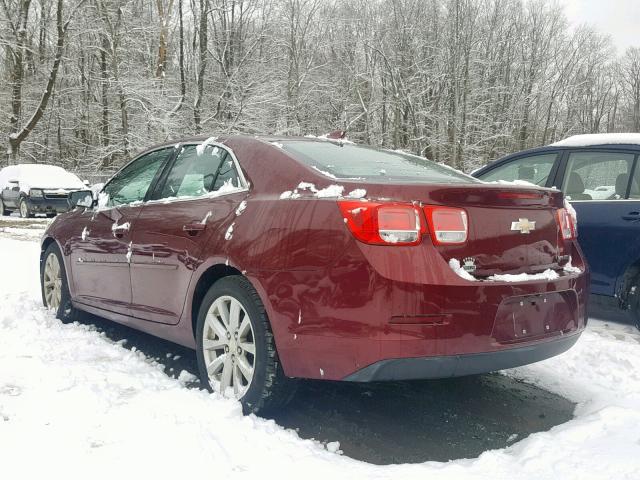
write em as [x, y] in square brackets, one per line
[194, 175]
[533, 169]
[597, 175]
[347, 161]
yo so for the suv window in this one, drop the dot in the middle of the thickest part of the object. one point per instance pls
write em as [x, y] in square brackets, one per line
[634, 192]
[194, 174]
[533, 169]
[132, 183]
[361, 162]
[597, 175]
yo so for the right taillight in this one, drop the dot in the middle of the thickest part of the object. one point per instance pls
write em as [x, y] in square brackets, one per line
[567, 227]
[448, 225]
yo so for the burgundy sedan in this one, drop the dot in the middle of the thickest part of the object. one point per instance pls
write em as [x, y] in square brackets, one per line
[278, 258]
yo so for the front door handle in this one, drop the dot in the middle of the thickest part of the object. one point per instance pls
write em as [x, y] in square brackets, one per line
[194, 228]
[631, 216]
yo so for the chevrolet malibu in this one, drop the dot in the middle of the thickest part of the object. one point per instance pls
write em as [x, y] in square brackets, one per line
[277, 258]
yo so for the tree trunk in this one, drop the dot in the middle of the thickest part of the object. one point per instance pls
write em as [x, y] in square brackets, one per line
[202, 68]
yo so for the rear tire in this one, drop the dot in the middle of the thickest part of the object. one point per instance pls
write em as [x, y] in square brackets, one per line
[268, 388]
[54, 285]
[24, 209]
[633, 300]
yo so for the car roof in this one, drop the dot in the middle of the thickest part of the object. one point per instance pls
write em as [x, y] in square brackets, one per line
[222, 138]
[599, 139]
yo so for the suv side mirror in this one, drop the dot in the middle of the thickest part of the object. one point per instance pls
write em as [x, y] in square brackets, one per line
[81, 198]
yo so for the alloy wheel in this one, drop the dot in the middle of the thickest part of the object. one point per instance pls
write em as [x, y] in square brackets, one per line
[52, 281]
[229, 347]
[24, 211]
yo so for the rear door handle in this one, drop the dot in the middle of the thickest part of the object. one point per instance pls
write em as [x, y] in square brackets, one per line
[632, 216]
[194, 228]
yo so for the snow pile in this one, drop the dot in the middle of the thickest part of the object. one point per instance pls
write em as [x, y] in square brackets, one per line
[519, 183]
[91, 408]
[103, 200]
[307, 186]
[203, 146]
[454, 263]
[548, 274]
[357, 193]
[123, 227]
[330, 139]
[524, 277]
[229, 233]
[599, 139]
[289, 194]
[572, 212]
[241, 208]
[332, 191]
[330, 175]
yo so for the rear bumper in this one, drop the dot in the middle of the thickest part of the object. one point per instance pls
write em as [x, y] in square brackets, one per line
[461, 365]
[392, 313]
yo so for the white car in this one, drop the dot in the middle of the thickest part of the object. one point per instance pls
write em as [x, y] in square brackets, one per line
[35, 188]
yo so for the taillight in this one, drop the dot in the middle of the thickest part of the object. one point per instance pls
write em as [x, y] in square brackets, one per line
[382, 223]
[567, 227]
[448, 225]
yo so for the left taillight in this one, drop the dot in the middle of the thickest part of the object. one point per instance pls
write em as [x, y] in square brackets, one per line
[379, 223]
[567, 226]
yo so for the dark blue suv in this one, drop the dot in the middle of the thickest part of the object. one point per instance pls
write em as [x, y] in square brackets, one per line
[599, 174]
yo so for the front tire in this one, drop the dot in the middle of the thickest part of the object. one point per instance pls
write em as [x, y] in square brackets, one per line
[24, 209]
[54, 285]
[236, 350]
[3, 209]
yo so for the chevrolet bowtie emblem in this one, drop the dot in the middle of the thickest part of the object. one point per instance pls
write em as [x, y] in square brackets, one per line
[523, 225]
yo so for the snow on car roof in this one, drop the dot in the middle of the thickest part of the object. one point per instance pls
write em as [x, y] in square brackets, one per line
[590, 139]
[35, 175]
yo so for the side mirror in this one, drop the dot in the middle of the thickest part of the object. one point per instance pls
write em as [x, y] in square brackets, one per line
[81, 198]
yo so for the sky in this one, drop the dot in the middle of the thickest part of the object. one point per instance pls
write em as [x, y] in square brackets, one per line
[618, 18]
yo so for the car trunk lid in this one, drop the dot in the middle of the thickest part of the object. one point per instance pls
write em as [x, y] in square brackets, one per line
[511, 229]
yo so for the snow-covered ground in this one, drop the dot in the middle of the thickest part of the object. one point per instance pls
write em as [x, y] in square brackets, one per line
[74, 402]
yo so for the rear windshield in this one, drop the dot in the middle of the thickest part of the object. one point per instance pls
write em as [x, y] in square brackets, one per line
[348, 161]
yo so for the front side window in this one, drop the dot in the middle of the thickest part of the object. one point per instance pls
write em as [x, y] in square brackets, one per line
[196, 173]
[347, 161]
[534, 169]
[132, 183]
[597, 176]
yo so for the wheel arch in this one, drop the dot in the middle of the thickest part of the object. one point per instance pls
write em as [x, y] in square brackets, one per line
[210, 276]
[624, 284]
[44, 245]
